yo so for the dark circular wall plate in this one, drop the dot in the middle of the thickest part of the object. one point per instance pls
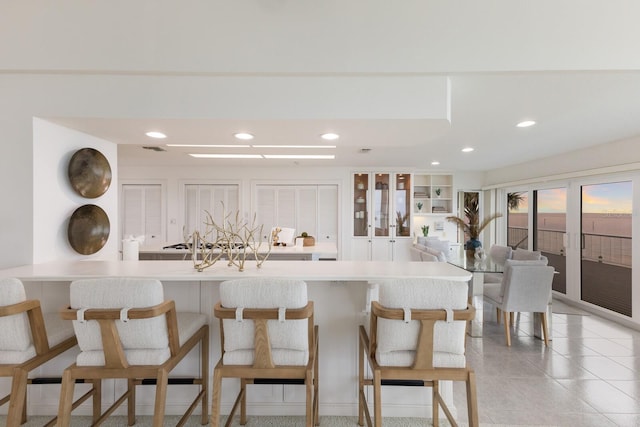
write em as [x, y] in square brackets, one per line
[88, 229]
[89, 173]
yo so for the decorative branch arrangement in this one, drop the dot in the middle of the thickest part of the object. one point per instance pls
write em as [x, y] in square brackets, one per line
[234, 240]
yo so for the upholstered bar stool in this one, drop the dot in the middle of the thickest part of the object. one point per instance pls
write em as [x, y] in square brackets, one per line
[416, 337]
[126, 330]
[28, 339]
[267, 337]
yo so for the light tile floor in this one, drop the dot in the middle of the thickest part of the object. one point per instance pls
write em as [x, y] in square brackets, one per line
[588, 376]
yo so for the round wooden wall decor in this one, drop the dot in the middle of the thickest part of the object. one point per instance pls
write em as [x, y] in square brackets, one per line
[89, 173]
[88, 229]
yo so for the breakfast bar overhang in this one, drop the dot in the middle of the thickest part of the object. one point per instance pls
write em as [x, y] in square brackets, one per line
[338, 289]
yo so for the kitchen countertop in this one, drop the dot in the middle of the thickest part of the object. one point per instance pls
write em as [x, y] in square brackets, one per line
[185, 271]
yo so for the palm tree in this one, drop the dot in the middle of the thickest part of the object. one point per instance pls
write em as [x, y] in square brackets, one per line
[514, 200]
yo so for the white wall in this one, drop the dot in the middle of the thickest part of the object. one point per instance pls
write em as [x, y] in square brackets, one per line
[54, 200]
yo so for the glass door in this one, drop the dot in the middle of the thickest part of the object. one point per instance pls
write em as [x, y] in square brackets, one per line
[360, 203]
[381, 206]
[550, 228]
[518, 220]
[403, 205]
[606, 213]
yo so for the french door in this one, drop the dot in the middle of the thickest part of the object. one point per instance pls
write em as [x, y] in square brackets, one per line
[605, 243]
[550, 231]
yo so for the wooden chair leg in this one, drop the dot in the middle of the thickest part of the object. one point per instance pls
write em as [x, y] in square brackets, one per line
[377, 399]
[66, 399]
[204, 359]
[131, 402]
[472, 400]
[512, 318]
[435, 406]
[97, 400]
[506, 328]
[215, 401]
[243, 402]
[361, 356]
[17, 403]
[498, 314]
[309, 402]
[161, 398]
[545, 330]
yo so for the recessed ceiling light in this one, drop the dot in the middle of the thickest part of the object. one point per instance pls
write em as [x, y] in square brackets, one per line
[227, 156]
[330, 136]
[243, 135]
[299, 156]
[436, 163]
[526, 123]
[157, 135]
[467, 149]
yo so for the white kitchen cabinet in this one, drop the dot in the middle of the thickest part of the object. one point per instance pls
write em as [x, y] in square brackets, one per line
[142, 212]
[200, 200]
[381, 216]
[306, 208]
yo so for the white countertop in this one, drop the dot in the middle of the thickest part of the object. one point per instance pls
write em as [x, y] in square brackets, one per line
[184, 270]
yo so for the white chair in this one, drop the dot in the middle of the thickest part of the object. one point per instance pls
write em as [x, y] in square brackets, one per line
[127, 330]
[28, 339]
[525, 287]
[267, 337]
[416, 336]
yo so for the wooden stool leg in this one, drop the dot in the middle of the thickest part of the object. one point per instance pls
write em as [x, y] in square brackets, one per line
[97, 400]
[545, 329]
[131, 402]
[472, 400]
[17, 403]
[66, 399]
[215, 401]
[506, 328]
[161, 398]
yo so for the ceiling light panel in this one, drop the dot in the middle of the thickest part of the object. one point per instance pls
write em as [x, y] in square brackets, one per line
[209, 145]
[226, 156]
[526, 124]
[300, 156]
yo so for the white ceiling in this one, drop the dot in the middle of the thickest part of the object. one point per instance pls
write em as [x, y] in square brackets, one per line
[573, 110]
[178, 67]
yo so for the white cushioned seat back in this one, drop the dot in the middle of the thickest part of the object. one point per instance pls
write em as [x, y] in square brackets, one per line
[16, 345]
[397, 340]
[15, 335]
[525, 255]
[499, 254]
[439, 255]
[511, 262]
[116, 293]
[289, 339]
[527, 288]
[438, 245]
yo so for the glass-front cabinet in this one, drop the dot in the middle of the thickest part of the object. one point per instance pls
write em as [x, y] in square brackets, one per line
[381, 215]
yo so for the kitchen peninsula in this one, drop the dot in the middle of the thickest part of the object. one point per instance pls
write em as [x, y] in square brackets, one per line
[338, 289]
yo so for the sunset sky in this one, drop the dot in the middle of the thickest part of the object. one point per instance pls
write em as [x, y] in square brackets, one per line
[613, 197]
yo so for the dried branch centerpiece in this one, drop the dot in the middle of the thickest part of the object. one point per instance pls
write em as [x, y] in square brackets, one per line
[234, 240]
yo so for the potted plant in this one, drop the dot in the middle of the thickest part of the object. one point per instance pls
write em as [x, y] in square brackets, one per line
[471, 224]
[425, 230]
[438, 191]
[419, 205]
[307, 240]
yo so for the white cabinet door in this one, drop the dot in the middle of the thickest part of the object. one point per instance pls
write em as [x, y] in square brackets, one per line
[202, 200]
[306, 208]
[142, 212]
[327, 213]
